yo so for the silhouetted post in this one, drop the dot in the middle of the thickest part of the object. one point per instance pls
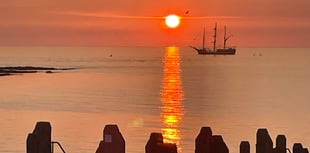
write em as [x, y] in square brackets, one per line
[113, 141]
[156, 145]
[218, 145]
[297, 148]
[244, 147]
[39, 141]
[280, 144]
[264, 143]
[203, 140]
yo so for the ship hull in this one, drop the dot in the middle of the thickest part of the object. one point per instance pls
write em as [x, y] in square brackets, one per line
[228, 51]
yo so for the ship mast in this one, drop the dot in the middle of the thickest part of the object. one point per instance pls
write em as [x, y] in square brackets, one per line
[203, 38]
[225, 38]
[214, 41]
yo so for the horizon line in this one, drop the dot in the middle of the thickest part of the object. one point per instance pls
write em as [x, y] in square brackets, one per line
[107, 15]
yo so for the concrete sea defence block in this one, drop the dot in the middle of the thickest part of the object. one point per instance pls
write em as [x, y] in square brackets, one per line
[155, 144]
[39, 141]
[244, 147]
[207, 143]
[113, 141]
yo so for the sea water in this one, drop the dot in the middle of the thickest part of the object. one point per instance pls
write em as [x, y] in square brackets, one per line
[154, 89]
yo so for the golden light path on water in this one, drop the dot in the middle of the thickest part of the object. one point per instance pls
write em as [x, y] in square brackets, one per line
[171, 97]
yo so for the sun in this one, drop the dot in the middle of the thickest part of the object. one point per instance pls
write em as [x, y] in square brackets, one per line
[172, 21]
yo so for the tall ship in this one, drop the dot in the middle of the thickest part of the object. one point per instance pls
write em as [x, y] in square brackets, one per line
[215, 51]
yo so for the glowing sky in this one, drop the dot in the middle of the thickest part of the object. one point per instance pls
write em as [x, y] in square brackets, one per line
[254, 23]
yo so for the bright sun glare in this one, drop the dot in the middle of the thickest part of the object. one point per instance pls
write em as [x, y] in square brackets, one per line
[172, 21]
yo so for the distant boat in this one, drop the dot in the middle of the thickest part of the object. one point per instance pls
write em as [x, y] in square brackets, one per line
[215, 51]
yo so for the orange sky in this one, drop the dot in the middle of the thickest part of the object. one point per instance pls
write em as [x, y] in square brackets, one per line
[255, 23]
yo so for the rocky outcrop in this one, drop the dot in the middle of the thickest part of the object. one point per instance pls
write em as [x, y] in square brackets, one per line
[5, 71]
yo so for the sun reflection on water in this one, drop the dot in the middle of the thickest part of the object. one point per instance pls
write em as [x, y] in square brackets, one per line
[171, 97]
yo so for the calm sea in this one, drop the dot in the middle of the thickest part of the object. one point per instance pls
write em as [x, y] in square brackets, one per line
[155, 89]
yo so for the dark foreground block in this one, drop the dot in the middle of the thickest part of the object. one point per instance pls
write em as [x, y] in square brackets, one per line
[203, 140]
[39, 141]
[32, 143]
[218, 145]
[280, 144]
[113, 141]
[208, 143]
[298, 148]
[264, 143]
[244, 147]
[156, 145]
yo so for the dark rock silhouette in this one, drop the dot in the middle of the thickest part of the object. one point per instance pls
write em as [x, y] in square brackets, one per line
[264, 143]
[113, 141]
[156, 145]
[244, 147]
[206, 143]
[4, 74]
[31, 68]
[4, 71]
[39, 141]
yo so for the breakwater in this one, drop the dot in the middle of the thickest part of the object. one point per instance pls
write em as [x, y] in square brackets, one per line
[39, 141]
